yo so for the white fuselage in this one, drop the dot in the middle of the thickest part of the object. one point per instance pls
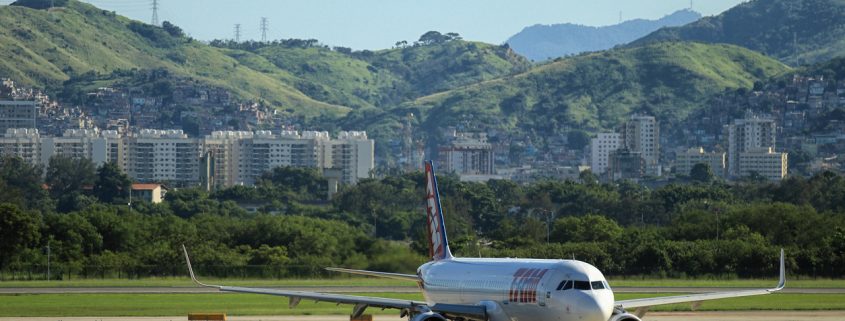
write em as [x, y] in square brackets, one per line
[520, 289]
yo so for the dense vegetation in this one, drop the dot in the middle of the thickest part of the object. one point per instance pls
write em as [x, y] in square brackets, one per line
[90, 48]
[796, 32]
[706, 228]
[596, 91]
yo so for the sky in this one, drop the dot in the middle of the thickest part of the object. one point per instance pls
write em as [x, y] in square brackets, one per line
[378, 24]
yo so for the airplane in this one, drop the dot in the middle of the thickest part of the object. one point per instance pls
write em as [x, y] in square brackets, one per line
[496, 289]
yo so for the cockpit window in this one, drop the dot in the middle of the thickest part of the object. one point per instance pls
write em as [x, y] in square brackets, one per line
[564, 285]
[581, 285]
[597, 285]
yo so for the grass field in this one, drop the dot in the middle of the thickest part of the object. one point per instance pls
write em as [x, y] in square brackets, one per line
[356, 281]
[249, 304]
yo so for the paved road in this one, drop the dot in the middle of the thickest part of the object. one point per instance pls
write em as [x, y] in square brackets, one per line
[372, 289]
[657, 316]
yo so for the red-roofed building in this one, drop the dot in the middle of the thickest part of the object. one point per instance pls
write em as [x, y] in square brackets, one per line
[153, 193]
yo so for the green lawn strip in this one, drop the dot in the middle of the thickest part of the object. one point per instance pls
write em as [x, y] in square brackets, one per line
[777, 301]
[47, 305]
[744, 283]
[70, 305]
[186, 282]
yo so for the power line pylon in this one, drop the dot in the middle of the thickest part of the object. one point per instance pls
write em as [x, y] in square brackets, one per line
[264, 26]
[154, 20]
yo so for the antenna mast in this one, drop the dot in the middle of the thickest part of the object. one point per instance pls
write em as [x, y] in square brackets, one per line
[237, 32]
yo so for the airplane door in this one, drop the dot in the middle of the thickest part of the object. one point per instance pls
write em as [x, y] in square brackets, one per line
[542, 295]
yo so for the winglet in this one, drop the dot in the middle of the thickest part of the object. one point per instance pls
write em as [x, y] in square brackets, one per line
[782, 281]
[191, 270]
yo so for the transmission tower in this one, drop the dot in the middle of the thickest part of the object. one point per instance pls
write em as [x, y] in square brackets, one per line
[155, 13]
[264, 26]
[237, 32]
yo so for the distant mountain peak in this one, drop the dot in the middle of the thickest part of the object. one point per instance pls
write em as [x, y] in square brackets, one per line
[540, 42]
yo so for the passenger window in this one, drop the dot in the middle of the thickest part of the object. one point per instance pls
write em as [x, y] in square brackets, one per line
[597, 285]
[564, 285]
[582, 285]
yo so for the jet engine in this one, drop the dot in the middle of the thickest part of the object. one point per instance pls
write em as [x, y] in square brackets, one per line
[624, 317]
[428, 316]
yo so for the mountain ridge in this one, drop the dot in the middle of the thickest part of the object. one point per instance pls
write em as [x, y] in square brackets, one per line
[796, 32]
[541, 42]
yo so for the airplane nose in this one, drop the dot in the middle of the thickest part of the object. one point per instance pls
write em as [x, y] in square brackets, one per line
[592, 307]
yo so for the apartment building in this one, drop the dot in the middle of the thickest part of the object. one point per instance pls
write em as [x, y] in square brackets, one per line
[600, 149]
[642, 134]
[685, 161]
[763, 161]
[222, 159]
[163, 156]
[22, 142]
[750, 133]
[17, 114]
[467, 154]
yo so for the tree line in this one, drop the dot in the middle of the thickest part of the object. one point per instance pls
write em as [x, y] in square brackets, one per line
[696, 229]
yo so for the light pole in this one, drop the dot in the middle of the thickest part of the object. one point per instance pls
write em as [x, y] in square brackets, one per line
[48, 260]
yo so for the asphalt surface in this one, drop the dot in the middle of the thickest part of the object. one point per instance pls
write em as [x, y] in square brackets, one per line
[375, 289]
[657, 316]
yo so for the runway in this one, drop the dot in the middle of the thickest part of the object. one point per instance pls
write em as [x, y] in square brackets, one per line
[371, 289]
[657, 316]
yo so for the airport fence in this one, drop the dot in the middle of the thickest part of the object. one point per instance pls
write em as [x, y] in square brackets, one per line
[71, 271]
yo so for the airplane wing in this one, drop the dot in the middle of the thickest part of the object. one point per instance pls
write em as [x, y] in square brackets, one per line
[643, 304]
[472, 312]
[395, 276]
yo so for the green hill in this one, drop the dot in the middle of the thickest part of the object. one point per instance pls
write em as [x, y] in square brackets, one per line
[89, 47]
[595, 91]
[44, 49]
[385, 77]
[793, 31]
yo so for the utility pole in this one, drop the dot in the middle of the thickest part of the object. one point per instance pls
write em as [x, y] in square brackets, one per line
[237, 32]
[155, 13]
[48, 260]
[264, 26]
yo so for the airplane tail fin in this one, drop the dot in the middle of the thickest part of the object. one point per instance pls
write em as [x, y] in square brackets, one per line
[438, 243]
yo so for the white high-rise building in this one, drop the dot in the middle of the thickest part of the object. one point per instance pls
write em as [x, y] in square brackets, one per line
[163, 156]
[354, 154]
[642, 134]
[222, 159]
[22, 142]
[17, 114]
[763, 161]
[748, 134]
[600, 149]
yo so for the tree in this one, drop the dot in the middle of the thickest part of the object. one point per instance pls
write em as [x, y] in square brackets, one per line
[66, 178]
[18, 229]
[432, 37]
[172, 29]
[701, 172]
[21, 183]
[306, 182]
[111, 184]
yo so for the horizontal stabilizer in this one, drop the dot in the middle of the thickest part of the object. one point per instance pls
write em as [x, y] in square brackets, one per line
[396, 276]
